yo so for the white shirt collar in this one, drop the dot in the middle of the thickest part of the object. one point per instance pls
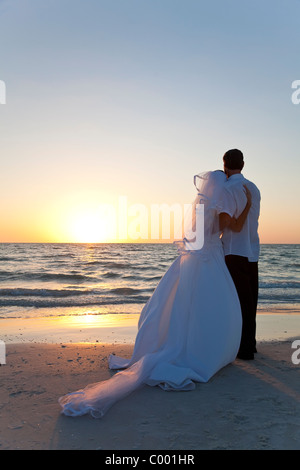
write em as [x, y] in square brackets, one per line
[235, 176]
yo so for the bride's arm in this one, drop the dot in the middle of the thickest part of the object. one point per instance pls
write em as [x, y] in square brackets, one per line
[232, 223]
[236, 225]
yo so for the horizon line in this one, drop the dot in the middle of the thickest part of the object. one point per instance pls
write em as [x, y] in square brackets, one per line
[161, 242]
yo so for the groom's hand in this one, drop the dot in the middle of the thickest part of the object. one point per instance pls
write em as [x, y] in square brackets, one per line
[248, 195]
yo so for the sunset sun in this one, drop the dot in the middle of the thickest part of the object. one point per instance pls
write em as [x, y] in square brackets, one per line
[91, 226]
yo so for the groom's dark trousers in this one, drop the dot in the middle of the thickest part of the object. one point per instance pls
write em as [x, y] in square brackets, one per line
[245, 277]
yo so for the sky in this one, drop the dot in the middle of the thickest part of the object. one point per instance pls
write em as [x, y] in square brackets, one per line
[107, 101]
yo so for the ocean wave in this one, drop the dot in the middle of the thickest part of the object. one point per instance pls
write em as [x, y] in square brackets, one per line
[108, 264]
[154, 278]
[22, 292]
[150, 267]
[127, 291]
[70, 302]
[65, 277]
[59, 277]
[279, 297]
[110, 274]
[280, 285]
[5, 273]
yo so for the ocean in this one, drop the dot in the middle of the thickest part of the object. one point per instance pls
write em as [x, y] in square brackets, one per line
[54, 279]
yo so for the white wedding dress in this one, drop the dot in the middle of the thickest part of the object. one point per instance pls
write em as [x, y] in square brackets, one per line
[188, 330]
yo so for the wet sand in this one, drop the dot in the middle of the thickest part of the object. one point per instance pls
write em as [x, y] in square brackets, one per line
[246, 405]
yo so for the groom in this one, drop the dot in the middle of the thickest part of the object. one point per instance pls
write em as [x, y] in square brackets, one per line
[242, 248]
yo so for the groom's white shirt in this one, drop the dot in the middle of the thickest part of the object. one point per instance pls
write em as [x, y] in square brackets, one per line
[246, 242]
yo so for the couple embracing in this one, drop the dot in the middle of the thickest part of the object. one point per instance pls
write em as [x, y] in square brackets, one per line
[202, 314]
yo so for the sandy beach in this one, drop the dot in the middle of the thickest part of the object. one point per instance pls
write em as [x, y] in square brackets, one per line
[247, 405]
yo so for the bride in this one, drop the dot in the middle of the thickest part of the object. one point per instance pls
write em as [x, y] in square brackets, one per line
[191, 326]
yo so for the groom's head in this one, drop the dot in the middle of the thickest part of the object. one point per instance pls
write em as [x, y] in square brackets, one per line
[233, 162]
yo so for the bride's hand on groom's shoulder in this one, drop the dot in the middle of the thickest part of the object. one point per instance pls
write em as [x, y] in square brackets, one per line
[248, 195]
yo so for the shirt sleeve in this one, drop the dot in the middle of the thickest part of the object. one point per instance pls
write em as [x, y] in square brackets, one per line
[227, 203]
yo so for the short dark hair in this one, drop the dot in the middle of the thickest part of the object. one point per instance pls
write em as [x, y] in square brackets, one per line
[234, 159]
